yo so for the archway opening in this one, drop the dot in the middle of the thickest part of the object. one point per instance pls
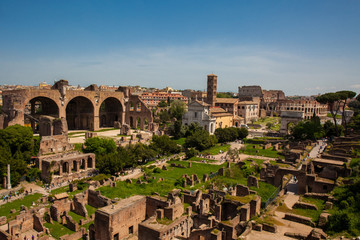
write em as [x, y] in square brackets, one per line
[138, 123]
[80, 114]
[39, 106]
[146, 124]
[290, 184]
[65, 166]
[110, 112]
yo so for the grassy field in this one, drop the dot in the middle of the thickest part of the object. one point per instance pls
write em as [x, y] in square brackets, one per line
[274, 121]
[259, 151]
[57, 230]
[313, 214]
[216, 149]
[26, 201]
[197, 159]
[66, 189]
[124, 190]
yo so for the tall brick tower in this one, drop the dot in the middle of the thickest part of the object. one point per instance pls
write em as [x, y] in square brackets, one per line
[211, 89]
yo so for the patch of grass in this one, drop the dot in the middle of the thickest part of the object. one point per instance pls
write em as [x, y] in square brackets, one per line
[106, 129]
[355, 162]
[164, 221]
[78, 147]
[313, 214]
[57, 230]
[216, 149]
[197, 159]
[16, 204]
[87, 225]
[124, 190]
[244, 199]
[75, 133]
[257, 150]
[91, 210]
[75, 216]
[186, 205]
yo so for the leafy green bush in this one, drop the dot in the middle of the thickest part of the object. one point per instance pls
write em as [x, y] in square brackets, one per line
[338, 222]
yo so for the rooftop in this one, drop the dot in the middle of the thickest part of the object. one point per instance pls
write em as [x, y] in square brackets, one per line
[122, 204]
[227, 100]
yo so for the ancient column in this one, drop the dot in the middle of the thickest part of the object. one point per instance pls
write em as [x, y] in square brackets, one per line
[8, 177]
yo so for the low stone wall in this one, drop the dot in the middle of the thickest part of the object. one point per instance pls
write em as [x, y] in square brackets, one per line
[304, 205]
[269, 228]
[322, 196]
[75, 236]
[296, 235]
[299, 219]
[96, 200]
[4, 235]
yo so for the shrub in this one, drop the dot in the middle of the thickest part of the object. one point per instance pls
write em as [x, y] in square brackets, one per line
[157, 170]
[344, 204]
[338, 222]
[191, 152]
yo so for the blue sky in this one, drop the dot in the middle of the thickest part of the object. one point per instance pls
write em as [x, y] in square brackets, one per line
[302, 47]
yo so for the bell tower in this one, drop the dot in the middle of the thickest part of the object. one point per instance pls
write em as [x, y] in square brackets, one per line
[211, 89]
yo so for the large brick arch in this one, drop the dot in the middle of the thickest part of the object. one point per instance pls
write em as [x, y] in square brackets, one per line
[80, 113]
[110, 110]
[14, 102]
[300, 175]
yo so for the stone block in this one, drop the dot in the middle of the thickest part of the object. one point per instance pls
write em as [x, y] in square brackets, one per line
[269, 228]
[245, 213]
[252, 181]
[242, 190]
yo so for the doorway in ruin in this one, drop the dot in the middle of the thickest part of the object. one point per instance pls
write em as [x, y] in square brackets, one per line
[290, 184]
[110, 111]
[35, 108]
[80, 114]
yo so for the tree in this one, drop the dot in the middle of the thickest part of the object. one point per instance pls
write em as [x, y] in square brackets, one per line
[100, 146]
[201, 140]
[344, 96]
[333, 101]
[141, 152]
[164, 145]
[164, 116]
[177, 109]
[330, 130]
[193, 127]
[191, 152]
[162, 103]
[233, 153]
[242, 133]
[309, 129]
[177, 129]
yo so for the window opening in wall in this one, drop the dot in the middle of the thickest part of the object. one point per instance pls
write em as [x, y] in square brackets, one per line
[131, 230]
[116, 236]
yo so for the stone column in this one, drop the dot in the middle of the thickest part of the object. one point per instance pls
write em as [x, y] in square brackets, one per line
[8, 177]
[85, 164]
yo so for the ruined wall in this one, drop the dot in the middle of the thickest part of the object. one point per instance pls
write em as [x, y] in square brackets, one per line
[95, 199]
[122, 220]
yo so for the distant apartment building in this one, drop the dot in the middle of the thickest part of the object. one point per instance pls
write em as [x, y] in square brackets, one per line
[248, 110]
[153, 99]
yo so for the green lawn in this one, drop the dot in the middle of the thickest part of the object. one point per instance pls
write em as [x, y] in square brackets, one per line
[238, 176]
[275, 121]
[259, 151]
[26, 201]
[216, 149]
[75, 216]
[197, 159]
[124, 190]
[313, 214]
[91, 210]
[66, 189]
[57, 230]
